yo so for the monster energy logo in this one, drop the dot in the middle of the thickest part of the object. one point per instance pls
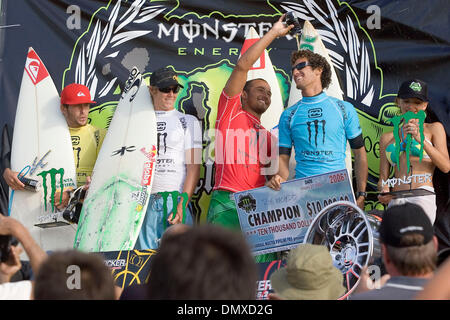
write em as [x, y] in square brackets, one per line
[316, 130]
[164, 142]
[52, 172]
[174, 195]
[192, 30]
[406, 117]
[247, 203]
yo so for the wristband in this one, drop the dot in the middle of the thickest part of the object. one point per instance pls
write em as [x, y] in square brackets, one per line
[361, 194]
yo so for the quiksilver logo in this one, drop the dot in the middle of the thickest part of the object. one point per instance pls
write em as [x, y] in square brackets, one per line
[35, 68]
[32, 65]
[81, 94]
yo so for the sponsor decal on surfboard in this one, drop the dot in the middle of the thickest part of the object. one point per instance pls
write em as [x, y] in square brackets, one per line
[45, 158]
[150, 155]
[148, 166]
[143, 196]
[35, 68]
[132, 84]
[261, 62]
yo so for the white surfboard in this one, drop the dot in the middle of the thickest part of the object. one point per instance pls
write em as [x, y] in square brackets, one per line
[311, 40]
[263, 68]
[115, 206]
[41, 149]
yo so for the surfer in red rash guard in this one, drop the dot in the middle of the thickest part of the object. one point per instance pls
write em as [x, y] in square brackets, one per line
[239, 165]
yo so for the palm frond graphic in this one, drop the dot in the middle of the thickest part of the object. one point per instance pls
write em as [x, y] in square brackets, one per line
[103, 43]
[336, 34]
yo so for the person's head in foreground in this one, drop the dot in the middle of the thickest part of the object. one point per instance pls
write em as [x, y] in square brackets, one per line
[408, 243]
[74, 275]
[203, 263]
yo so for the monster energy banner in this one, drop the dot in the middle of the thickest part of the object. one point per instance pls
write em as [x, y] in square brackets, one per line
[278, 220]
[373, 45]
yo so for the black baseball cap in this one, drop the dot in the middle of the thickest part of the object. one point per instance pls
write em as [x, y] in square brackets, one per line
[413, 89]
[164, 78]
[405, 219]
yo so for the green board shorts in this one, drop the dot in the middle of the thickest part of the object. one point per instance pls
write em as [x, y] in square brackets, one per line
[222, 211]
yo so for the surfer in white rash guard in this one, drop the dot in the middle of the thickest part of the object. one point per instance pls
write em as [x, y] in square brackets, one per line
[318, 126]
[178, 163]
[86, 139]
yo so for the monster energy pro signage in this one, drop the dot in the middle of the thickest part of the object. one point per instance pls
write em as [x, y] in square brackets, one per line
[278, 220]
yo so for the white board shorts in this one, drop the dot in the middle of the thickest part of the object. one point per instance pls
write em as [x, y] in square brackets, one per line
[428, 203]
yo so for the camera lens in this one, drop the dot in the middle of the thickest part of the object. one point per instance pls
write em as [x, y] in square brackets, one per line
[5, 248]
[292, 20]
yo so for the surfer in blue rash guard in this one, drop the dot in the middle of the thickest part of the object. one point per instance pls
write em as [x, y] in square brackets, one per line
[179, 154]
[318, 126]
[86, 140]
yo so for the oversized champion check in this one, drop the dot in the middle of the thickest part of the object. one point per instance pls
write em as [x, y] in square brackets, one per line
[278, 220]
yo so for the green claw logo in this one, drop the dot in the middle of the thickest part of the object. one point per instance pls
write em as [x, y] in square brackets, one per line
[409, 139]
[52, 172]
[174, 195]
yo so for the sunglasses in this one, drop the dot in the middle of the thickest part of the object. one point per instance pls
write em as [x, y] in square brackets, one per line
[168, 89]
[300, 66]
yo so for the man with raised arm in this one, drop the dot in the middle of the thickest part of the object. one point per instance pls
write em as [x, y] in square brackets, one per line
[239, 164]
